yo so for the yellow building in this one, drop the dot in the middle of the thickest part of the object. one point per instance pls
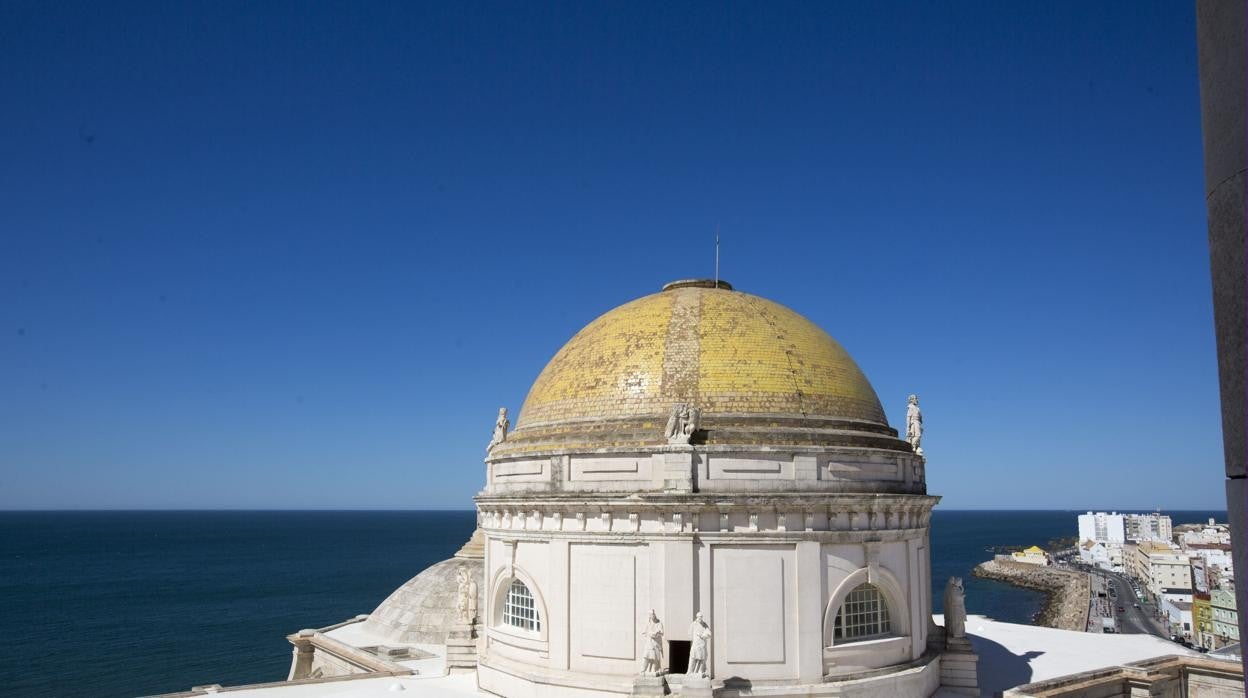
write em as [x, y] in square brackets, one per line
[1032, 556]
[1202, 621]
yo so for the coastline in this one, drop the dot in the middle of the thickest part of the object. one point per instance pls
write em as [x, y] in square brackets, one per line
[1066, 592]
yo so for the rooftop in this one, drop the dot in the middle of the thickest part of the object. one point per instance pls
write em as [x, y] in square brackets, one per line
[1009, 655]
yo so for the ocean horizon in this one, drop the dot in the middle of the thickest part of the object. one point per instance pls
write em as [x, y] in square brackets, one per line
[140, 602]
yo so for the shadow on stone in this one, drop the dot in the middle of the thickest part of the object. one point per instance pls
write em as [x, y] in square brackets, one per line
[1000, 668]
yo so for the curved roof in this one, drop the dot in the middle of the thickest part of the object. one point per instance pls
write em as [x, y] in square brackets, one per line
[720, 350]
[424, 608]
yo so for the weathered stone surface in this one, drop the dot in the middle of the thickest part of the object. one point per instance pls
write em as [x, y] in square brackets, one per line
[649, 686]
[1222, 54]
[424, 608]
[461, 648]
[696, 687]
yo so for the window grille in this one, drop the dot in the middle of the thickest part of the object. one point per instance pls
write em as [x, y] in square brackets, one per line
[863, 615]
[519, 610]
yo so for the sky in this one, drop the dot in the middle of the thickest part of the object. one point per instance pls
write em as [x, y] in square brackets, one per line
[296, 255]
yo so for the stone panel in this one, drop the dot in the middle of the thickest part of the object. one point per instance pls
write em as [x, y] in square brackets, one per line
[754, 605]
[591, 469]
[741, 468]
[525, 470]
[603, 611]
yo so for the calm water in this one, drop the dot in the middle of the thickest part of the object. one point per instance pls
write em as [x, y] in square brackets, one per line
[134, 603]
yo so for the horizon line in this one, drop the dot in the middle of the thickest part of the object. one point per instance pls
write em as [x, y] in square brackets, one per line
[450, 509]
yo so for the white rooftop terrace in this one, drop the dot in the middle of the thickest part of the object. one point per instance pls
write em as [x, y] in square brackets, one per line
[1009, 655]
[1013, 655]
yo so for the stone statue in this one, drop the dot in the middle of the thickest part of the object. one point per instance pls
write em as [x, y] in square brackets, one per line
[682, 423]
[914, 424]
[693, 417]
[955, 609]
[466, 598]
[700, 637]
[501, 425]
[674, 427]
[654, 646]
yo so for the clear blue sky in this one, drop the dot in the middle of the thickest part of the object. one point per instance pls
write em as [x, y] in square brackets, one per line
[288, 255]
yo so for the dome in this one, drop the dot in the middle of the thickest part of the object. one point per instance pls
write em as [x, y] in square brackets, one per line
[424, 608]
[733, 355]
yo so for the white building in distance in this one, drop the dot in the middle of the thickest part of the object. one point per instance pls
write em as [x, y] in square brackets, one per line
[1164, 569]
[1149, 527]
[1103, 528]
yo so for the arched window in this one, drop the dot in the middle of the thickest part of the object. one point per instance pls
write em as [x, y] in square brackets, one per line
[863, 615]
[519, 610]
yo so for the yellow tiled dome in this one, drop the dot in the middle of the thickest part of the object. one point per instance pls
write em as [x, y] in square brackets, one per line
[725, 352]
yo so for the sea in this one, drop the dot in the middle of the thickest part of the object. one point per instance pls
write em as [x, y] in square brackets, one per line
[133, 603]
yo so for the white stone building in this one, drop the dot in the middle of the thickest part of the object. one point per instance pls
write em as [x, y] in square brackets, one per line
[1104, 528]
[701, 450]
[1095, 553]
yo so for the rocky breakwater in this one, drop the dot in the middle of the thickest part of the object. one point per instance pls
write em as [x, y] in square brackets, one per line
[1066, 591]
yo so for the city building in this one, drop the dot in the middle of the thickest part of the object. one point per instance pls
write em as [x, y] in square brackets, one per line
[1102, 527]
[1225, 617]
[1212, 555]
[1095, 553]
[1178, 615]
[1148, 527]
[1211, 533]
[1163, 569]
[1202, 621]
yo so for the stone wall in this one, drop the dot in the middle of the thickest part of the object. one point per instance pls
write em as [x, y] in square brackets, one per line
[1067, 592]
[1170, 676]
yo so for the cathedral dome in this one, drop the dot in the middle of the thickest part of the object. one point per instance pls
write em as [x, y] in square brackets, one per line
[740, 359]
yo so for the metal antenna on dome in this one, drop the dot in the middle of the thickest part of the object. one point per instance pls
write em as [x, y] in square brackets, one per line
[716, 255]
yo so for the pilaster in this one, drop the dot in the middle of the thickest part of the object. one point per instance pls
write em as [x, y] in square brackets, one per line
[809, 612]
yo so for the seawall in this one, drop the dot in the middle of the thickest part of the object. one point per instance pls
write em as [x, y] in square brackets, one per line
[1066, 591]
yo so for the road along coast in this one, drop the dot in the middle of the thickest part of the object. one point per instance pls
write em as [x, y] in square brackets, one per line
[1066, 591]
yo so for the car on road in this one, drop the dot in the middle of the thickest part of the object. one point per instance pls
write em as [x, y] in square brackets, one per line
[1121, 609]
[1136, 605]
